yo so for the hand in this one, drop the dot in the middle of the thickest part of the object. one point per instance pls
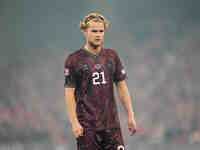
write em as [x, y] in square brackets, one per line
[77, 129]
[132, 125]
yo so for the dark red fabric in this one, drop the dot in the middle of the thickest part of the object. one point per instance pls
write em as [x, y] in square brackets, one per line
[93, 77]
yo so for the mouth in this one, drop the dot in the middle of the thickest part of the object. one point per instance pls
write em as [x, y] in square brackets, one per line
[97, 40]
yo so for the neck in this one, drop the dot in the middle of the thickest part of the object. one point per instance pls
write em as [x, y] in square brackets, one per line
[93, 48]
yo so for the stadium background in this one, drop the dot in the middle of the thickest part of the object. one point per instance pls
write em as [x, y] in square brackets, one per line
[158, 41]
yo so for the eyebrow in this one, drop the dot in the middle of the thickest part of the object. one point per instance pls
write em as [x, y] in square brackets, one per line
[94, 30]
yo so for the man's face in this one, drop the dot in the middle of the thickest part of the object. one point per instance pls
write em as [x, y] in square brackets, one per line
[95, 33]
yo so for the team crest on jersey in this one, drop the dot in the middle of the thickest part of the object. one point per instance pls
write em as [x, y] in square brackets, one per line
[66, 71]
[85, 68]
[97, 66]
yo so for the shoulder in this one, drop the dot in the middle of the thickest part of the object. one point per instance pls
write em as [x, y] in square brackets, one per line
[76, 53]
[73, 56]
[110, 52]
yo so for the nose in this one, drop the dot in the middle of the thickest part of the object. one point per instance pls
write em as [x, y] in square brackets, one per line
[99, 34]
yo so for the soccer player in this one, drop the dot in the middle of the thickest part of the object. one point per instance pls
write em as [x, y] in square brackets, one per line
[90, 75]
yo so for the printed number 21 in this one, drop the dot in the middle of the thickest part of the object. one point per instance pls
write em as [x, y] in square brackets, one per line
[96, 76]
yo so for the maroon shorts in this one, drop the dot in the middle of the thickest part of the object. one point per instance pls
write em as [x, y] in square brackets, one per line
[101, 140]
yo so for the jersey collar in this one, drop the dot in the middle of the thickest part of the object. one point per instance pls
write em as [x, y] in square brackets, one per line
[91, 54]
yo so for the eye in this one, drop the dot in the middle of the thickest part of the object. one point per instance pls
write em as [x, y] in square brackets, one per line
[101, 31]
[94, 31]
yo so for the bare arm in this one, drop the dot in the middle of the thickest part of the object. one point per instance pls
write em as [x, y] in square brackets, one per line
[125, 98]
[71, 105]
[71, 110]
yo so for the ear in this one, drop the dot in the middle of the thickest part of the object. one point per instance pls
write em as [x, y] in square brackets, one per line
[84, 31]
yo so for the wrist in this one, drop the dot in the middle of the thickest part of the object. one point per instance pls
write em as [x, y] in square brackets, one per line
[131, 114]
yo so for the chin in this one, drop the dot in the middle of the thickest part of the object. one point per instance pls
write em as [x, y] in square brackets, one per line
[96, 44]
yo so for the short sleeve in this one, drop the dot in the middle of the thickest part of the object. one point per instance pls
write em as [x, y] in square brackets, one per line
[69, 73]
[120, 73]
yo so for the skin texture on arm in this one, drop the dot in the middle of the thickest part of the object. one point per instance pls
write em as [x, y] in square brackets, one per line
[71, 111]
[125, 98]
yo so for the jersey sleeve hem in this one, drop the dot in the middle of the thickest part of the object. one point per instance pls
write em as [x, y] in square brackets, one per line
[116, 81]
[69, 86]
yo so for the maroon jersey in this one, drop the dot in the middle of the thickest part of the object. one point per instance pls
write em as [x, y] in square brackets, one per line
[93, 76]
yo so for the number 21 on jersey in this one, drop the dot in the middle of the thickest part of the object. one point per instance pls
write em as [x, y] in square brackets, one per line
[96, 76]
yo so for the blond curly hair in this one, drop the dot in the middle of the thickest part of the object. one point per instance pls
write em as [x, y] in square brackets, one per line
[96, 17]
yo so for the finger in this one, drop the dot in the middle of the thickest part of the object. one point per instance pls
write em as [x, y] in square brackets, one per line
[132, 131]
[81, 132]
[77, 133]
